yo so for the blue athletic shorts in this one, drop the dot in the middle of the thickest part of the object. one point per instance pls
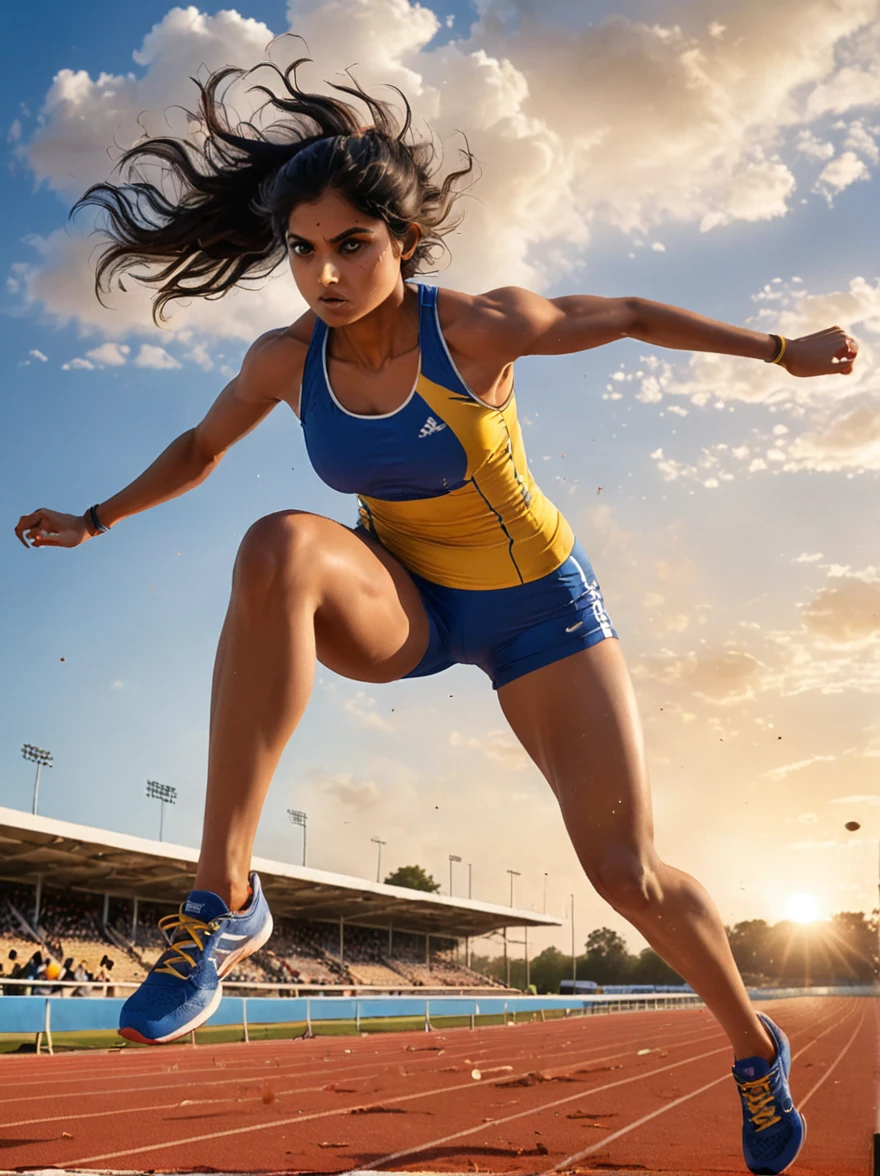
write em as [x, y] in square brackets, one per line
[509, 632]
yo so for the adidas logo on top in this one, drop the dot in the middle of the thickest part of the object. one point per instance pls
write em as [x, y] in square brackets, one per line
[193, 907]
[430, 426]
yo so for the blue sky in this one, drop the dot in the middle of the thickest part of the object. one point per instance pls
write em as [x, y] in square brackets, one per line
[761, 652]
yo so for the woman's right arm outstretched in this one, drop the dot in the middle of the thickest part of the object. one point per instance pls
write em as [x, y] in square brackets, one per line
[270, 368]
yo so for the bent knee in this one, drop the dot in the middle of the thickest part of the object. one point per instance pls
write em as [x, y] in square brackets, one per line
[626, 879]
[279, 548]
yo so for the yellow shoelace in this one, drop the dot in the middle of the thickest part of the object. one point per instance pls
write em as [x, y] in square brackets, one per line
[168, 924]
[760, 1102]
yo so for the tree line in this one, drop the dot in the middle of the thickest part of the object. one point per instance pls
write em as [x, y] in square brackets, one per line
[842, 950]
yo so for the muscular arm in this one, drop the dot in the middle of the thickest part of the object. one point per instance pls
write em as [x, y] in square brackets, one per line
[512, 322]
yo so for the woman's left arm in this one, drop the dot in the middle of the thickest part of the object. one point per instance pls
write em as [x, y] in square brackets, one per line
[533, 325]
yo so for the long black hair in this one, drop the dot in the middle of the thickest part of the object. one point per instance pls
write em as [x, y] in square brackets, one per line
[220, 217]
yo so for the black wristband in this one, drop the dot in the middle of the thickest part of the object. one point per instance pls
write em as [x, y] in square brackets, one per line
[780, 348]
[96, 522]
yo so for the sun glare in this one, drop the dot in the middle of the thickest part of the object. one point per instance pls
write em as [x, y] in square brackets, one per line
[802, 908]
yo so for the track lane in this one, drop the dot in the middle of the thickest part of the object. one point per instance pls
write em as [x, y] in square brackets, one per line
[253, 1135]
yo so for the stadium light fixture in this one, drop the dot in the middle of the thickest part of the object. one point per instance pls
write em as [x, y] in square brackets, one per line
[298, 818]
[165, 794]
[452, 858]
[380, 843]
[42, 759]
[545, 892]
[513, 874]
[470, 878]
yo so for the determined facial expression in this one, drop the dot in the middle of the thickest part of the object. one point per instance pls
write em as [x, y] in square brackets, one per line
[344, 262]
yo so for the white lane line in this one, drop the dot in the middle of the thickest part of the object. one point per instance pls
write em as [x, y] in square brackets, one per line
[353, 1072]
[348, 1077]
[537, 1110]
[548, 1106]
[836, 1061]
[186, 1140]
[390, 1051]
[578, 1156]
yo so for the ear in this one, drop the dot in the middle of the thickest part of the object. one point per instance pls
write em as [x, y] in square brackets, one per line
[411, 241]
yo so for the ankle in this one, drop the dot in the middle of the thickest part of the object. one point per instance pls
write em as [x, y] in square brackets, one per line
[234, 893]
[761, 1045]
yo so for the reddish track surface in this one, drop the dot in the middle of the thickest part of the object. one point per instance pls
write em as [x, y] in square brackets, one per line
[573, 1094]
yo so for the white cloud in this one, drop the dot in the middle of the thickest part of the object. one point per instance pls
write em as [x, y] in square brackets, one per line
[38, 355]
[658, 246]
[565, 122]
[360, 706]
[497, 745]
[808, 144]
[109, 354]
[839, 174]
[78, 365]
[859, 138]
[155, 357]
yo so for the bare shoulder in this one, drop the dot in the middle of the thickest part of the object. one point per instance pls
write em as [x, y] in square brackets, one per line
[273, 366]
[489, 324]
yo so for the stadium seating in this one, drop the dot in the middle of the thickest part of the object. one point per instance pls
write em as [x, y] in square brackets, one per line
[300, 954]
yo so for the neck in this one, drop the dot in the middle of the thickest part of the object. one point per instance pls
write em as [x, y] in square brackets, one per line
[389, 331]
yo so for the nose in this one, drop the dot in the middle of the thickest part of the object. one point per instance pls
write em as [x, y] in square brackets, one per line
[329, 275]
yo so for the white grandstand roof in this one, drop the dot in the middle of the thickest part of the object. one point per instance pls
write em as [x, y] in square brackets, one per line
[79, 857]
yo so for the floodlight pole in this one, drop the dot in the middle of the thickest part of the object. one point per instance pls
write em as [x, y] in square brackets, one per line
[301, 819]
[470, 878]
[573, 956]
[165, 794]
[452, 858]
[513, 874]
[380, 843]
[41, 758]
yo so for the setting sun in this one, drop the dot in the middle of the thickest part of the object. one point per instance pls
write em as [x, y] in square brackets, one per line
[802, 908]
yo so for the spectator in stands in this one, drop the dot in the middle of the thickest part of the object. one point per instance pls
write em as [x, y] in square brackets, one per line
[15, 974]
[81, 974]
[40, 974]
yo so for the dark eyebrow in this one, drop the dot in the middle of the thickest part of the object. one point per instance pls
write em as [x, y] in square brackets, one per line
[333, 240]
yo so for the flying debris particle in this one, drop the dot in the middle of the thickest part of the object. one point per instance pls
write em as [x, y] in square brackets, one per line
[852, 826]
[476, 1075]
[600, 489]
[268, 1096]
[62, 659]
[332, 1145]
[66, 1135]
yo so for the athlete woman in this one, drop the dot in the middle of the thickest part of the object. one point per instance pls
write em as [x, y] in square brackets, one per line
[406, 399]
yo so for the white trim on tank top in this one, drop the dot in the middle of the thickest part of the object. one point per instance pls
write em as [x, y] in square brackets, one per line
[453, 365]
[372, 416]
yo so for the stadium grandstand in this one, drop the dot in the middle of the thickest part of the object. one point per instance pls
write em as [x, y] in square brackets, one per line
[87, 901]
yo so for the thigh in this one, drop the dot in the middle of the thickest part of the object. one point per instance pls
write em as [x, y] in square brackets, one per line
[577, 718]
[371, 624]
[369, 620]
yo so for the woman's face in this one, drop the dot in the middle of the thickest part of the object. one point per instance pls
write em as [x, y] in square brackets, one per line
[344, 262]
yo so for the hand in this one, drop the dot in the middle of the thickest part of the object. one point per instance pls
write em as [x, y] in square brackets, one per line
[825, 353]
[49, 528]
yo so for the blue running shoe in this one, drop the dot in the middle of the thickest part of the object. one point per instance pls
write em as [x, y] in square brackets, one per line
[773, 1131]
[184, 986]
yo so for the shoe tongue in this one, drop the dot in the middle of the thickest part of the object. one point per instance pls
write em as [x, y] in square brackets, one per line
[204, 905]
[749, 1068]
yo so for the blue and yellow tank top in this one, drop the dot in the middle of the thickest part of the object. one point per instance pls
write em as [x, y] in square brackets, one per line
[442, 481]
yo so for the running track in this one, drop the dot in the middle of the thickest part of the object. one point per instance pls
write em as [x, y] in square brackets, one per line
[575, 1095]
